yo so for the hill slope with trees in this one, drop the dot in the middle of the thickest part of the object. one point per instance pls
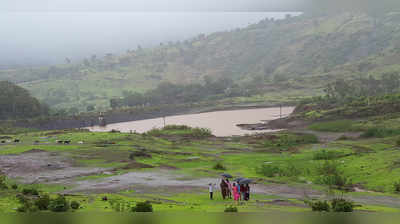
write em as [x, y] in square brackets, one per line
[16, 102]
[273, 59]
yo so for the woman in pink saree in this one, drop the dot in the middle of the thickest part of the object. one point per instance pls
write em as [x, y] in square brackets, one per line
[235, 192]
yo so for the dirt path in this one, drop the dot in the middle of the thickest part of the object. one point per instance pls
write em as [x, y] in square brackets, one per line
[38, 166]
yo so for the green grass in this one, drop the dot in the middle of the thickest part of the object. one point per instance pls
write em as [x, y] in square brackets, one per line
[372, 163]
[333, 126]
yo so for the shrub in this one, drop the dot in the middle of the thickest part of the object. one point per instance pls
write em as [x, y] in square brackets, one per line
[231, 209]
[30, 191]
[14, 186]
[177, 127]
[27, 208]
[60, 204]
[342, 205]
[201, 132]
[27, 205]
[331, 175]
[320, 206]
[396, 186]
[43, 202]
[288, 170]
[219, 166]
[379, 133]
[75, 205]
[327, 155]
[3, 184]
[269, 170]
[143, 207]
[398, 142]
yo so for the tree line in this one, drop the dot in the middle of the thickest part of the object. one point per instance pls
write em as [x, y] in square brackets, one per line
[171, 93]
[16, 102]
[346, 90]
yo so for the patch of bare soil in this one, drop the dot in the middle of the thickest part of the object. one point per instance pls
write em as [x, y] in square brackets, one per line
[33, 151]
[136, 165]
[167, 167]
[37, 166]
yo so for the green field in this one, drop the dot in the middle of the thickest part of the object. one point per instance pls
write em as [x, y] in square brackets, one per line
[178, 163]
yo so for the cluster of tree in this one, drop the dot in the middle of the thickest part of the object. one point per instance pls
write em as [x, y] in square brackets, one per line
[170, 93]
[16, 102]
[342, 90]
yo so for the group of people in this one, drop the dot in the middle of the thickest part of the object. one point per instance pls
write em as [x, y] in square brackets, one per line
[233, 190]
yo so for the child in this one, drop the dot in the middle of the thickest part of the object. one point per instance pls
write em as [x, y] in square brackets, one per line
[211, 190]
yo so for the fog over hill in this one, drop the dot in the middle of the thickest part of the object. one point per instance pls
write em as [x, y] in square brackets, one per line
[43, 38]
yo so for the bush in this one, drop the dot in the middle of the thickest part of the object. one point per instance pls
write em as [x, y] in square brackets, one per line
[396, 186]
[331, 175]
[75, 205]
[379, 133]
[177, 127]
[27, 208]
[27, 205]
[3, 184]
[398, 142]
[288, 170]
[30, 191]
[231, 209]
[219, 166]
[335, 205]
[143, 207]
[269, 170]
[60, 204]
[14, 186]
[342, 205]
[320, 206]
[43, 202]
[201, 132]
[327, 155]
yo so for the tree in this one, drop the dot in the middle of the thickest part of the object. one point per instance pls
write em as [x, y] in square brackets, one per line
[390, 82]
[90, 108]
[16, 102]
[86, 62]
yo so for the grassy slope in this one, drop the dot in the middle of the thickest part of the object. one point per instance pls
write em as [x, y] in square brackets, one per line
[288, 58]
[371, 163]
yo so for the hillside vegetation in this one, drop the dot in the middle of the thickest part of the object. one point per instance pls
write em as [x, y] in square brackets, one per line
[275, 59]
[16, 102]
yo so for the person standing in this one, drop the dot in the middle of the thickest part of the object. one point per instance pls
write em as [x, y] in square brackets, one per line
[211, 190]
[247, 192]
[238, 188]
[242, 192]
[235, 191]
[229, 189]
[224, 188]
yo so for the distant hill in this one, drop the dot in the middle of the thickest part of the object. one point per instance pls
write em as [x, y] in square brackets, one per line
[286, 58]
[16, 102]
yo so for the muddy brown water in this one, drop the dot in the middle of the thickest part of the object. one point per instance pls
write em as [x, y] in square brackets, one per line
[221, 123]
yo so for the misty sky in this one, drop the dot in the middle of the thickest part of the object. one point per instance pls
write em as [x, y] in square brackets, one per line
[48, 31]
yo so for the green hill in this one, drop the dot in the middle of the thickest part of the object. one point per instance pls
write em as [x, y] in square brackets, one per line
[16, 102]
[276, 59]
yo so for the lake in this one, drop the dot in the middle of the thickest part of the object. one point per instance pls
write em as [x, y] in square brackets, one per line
[221, 123]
